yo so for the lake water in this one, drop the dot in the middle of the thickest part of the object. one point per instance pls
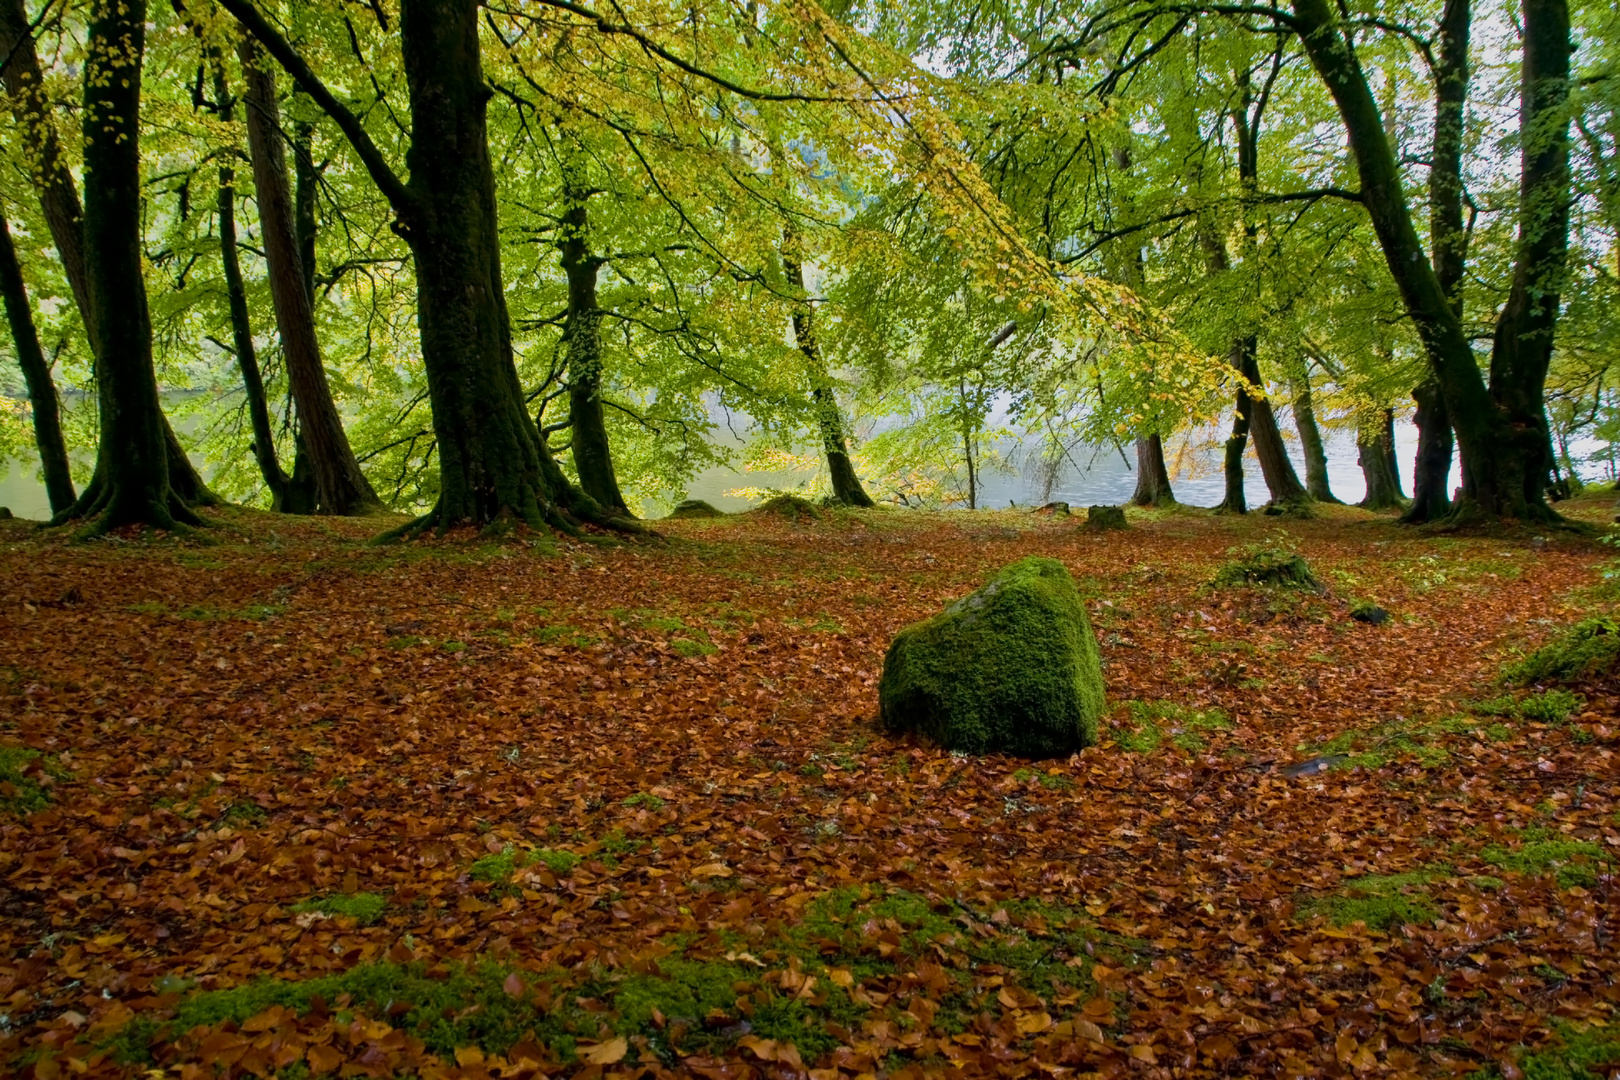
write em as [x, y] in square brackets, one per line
[1094, 476]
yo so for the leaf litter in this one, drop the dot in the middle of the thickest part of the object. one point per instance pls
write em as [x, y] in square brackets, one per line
[290, 805]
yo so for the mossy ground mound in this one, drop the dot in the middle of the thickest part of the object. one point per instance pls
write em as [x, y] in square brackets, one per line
[788, 506]
[695, 508]
[1589, 649]
[1011, 668]
[1106, 518]
[1267, 566]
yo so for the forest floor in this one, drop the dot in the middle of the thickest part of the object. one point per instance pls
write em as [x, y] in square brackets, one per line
[288, 804]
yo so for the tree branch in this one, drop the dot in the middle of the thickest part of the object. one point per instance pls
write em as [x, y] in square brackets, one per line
[387, 181]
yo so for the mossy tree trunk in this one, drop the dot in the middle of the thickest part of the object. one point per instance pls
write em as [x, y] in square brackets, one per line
[846, 485]
[1448, 243]
[340, 486]
[59, 201]
[1152, 475]
[1374, 455]
[587, 421]
[493, 466]
[1235, 502]
[1501, 429]
[36, 371]
[132, 481]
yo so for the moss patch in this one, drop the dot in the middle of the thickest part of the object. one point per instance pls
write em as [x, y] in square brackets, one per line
[1381, 901]
[1012, 667]
[364, 908]
[1265, 565]
[25, 777]
[800, 983]
[1149, 722]
[1578, 1054]
[1574, 862]
[1589, 648]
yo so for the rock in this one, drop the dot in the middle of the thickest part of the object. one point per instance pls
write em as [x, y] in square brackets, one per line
[695, 508]
[1106, 518]
[1054, 509]
[1011, 668]
[1312, 766]
[5, 513]
[1369, 613]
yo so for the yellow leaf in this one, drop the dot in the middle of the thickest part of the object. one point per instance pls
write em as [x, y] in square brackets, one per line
[714, 869]
[606, 1053]
[1030, 1023]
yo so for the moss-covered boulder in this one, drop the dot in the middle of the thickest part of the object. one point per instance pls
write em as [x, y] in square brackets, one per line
[1012, 668]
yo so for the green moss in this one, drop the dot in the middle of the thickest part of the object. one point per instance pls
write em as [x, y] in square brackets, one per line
[1590, 647]
[672, 1000]
[1571, 860]
[25, 777]
[645, 799]
[496, 868]
[1256, 564]
[1381, 901]
[558, 862]
[1150, 721]
[1012, 667]
[690, 647]
[1548, 706]
[563, 634]
[364, 908]
[1577, 1054]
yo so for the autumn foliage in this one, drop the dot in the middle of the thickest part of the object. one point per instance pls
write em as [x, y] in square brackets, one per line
[544, 807]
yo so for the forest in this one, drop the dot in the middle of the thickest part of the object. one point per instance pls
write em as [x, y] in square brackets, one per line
[506, 572]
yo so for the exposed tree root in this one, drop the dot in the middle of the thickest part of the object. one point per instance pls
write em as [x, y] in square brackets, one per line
[112, 506]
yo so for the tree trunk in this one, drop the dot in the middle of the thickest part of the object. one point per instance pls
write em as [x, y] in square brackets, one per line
[42, 400]
[593, 454]
[1521, 350]
[340, 486]
[1372, 453]
[1391, 462]
[1152, 475]
[132, 482]
[1502, 441]
[301, 495]
[1310, 439]
[59, 200]
[493, 466]
[1235, 502]
[1431, 468]
[846, 484]
[1275, 465]
[264, 439]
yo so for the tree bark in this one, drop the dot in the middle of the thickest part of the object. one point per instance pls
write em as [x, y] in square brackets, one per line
[1310, 439]
[1431, 469]
[1374, 456]
[1242, 359]
[340, 487]
[247, 360]
[846, 484]
[1501, 438]
[59, 200]
[42, 399]
[1152, 475]
[593, 454]
[132, 482]
[1521, 350]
